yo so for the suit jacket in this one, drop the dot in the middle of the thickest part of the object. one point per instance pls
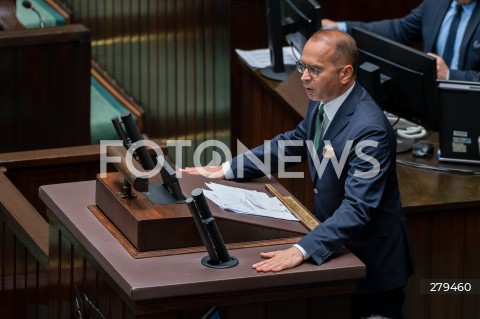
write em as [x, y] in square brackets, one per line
[423, 24]
[362, 212]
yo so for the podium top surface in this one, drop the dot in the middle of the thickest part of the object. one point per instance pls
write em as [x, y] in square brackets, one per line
[179, 275]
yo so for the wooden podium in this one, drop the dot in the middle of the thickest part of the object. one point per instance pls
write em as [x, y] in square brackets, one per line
[93, 263]
[145, 229]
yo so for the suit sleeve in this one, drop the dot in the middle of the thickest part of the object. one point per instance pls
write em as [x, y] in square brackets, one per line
[268, 158]
[362, 195]
[462, 75]
[406, 30]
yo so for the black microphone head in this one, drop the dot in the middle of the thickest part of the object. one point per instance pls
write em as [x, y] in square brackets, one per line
[27, 4]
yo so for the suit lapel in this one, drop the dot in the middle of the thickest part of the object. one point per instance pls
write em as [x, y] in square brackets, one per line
[469, 31]
[339, 122]
[438, 17]
[344, 113]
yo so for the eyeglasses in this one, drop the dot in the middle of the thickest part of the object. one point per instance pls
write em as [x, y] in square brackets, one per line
[313, 71]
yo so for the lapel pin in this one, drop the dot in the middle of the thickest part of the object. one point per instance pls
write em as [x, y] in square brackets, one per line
[328, 151]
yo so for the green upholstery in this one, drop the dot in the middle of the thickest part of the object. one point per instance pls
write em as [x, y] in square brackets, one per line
[103, 105]
[30, 20]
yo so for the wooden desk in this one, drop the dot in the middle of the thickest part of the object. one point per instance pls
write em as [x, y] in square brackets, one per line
[45, 88]
[443, 209]
[443, 212]
[85, 254]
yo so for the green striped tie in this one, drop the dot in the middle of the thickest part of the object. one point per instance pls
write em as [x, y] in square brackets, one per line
[318, 126]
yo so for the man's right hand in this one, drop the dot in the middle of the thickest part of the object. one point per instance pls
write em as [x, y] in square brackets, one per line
[215, 172]
[329, 24]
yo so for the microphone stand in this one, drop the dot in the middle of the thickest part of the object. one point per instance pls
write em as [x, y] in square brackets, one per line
[28, 5]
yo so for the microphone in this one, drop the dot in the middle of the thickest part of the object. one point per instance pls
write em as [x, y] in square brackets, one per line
[28, 5]
[218, 256]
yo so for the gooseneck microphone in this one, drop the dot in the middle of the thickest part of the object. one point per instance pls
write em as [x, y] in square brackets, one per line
[28, 5]
[218, 256]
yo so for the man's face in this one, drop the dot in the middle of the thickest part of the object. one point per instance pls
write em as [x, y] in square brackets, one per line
[464, 2]
[327, 85]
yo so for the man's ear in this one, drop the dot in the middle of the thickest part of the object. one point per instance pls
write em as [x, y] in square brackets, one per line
[346, 74]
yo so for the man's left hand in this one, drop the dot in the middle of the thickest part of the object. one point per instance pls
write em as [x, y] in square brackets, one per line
[442, 67]
[279, 260]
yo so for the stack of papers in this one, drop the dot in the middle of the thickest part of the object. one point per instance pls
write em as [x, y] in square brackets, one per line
[261, 58]
[244, 201]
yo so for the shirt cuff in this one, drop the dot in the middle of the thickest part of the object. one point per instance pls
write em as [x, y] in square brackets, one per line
[227, 170]
[304, 253]
[342, 26]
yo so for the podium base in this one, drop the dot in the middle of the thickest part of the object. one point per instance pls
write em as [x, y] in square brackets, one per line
[206, 261]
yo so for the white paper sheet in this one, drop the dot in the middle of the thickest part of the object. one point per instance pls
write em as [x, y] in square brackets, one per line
[260, 58]
[244, 201]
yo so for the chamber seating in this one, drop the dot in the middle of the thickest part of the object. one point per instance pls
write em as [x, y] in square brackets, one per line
[106, 97]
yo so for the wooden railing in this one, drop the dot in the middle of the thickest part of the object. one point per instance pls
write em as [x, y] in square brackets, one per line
[24, 230]
[24, 226]
[24, 256]
[111, 86]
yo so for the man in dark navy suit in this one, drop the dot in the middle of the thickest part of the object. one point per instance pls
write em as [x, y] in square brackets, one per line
[351, 150]
[430, 23]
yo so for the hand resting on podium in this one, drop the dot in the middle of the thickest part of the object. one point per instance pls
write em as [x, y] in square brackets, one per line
[274, 261]
[215, 172]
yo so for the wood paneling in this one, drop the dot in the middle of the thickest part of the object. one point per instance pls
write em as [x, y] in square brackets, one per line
[44, 88]
[23, 279]
[445, 243]
[172, 57]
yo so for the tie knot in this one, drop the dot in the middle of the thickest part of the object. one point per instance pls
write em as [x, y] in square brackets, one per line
[321, 109]
[458, 9]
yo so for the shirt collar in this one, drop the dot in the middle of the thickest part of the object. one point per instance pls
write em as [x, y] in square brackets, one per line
[466, 8]
[332, 107]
